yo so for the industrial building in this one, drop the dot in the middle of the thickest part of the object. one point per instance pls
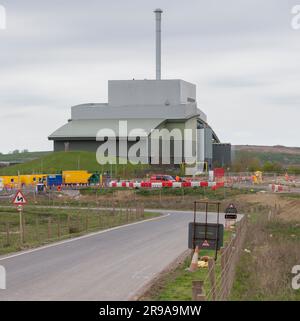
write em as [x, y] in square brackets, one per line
[148, 105]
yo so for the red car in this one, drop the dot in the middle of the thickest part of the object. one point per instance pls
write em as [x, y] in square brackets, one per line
[166, 180]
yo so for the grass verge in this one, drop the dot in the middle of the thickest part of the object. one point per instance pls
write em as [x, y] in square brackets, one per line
[43, 226]
[264, 272]
[177, 284]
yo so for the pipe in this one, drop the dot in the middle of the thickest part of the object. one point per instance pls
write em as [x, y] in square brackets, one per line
[158, 13]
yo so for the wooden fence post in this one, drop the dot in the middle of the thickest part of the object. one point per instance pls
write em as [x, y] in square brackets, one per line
[37, 228]
[7, 234]
[68, 223]
[87, 221]
[197, 291]
[127, 214]
[58, 226]
[223, 276]
[99, 217]
[49, 228]
[77, 222]
[212, 277]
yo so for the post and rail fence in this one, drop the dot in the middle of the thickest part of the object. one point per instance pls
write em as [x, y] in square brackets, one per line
[40, 226]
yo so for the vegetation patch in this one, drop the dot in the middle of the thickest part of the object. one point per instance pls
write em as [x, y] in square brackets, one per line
[264, 271]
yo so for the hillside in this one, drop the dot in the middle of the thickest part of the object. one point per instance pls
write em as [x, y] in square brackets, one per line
[243, 156]
[22, 157]
[56, 162]
[286, 156]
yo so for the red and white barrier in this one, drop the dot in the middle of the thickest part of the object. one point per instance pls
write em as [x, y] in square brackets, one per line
[278, 188]
[148, 184]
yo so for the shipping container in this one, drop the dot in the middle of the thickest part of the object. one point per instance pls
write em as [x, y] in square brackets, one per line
[32, 180]
[10, 181]
[54, 180]
[76, 177]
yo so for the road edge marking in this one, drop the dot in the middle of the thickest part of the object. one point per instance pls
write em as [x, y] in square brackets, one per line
[78, 238]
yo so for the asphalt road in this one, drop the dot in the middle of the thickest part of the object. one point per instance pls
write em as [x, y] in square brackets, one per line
[110, 265]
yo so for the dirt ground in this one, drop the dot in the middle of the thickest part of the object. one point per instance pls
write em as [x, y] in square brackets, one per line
[289, 208]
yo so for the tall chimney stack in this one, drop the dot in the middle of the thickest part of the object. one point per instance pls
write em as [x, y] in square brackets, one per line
[158, 13]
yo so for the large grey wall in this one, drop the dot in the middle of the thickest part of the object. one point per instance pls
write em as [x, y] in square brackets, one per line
[150, 92]
[222, 154]
[76, 145]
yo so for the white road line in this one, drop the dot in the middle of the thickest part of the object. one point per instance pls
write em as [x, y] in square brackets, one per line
[81, 237]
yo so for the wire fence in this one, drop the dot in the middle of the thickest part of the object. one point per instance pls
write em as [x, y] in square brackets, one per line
[220, 277]
[220, 274]
[36, 227]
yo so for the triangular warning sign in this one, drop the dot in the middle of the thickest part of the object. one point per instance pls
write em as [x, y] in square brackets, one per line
[205, 244]
[19, 199]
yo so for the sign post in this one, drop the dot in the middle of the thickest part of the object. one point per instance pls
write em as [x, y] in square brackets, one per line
[20, 209]
[230, 215]
[20, 200]
[206, 235]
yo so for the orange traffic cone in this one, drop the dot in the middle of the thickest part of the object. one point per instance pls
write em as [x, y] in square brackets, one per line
[194, 263]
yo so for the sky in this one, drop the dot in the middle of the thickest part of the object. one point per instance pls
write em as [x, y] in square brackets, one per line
[242, 55]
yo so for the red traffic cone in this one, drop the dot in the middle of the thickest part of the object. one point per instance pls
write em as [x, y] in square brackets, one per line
[194, 264]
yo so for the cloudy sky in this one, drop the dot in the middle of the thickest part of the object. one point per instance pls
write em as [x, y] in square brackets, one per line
[242, 55]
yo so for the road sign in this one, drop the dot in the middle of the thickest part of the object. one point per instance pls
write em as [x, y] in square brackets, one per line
[231, 209]
[231, 212]
[207, 236]
[19, 199]
[205, 244]
[230, 216]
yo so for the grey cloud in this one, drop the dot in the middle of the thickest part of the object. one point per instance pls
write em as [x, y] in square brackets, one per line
[235, 82]
[243, 56]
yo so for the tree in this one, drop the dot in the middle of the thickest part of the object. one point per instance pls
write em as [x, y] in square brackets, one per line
[272, 167]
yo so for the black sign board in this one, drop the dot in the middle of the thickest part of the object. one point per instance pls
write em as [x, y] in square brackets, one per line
[230, 216]
[231, 212]
[206, 236]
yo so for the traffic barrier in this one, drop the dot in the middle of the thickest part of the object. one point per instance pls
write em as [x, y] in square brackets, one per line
[156, 185]
[176, 184]
[203, 184]
[186, 184]
[278, 188]
[148, 184]
[211, 184]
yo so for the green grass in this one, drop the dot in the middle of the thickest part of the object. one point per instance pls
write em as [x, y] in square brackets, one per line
[290, 195]
[63, 223]
[59, 161]
[23, 157]
[265, 273]
[178, 284]
[284, 230]
[219, 194]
